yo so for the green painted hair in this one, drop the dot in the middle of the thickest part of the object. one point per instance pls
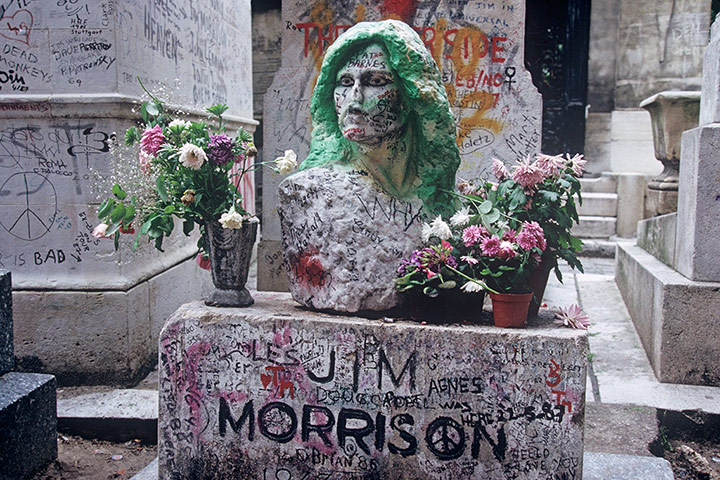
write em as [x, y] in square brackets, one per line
[423, 97]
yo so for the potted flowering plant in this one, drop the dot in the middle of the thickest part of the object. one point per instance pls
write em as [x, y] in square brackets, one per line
[196, 169]
[544, 191]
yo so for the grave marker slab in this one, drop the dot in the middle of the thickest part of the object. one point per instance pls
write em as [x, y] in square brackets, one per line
[7, 354]
[274, 391]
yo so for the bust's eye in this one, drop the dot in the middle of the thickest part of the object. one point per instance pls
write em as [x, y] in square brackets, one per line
[376, 79]
[345, 81]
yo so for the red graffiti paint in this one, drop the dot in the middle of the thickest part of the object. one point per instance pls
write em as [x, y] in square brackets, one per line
[309, 271]
[401, 9]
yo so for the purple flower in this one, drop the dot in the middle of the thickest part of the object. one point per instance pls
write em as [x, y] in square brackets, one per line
[220, 149]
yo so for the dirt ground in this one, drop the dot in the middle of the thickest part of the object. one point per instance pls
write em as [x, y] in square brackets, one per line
[83, 459]
[688, 466]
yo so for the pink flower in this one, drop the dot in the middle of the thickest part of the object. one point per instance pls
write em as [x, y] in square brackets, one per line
[99, 231]
[509, 235]
[469, 260]
[532, 233]
[527, 174]
[507, 250]
[550, 165]
[526, 241]
[466, 188]
[144, 159]
[152, 140]
[490, 246]
[473, 234]
[499, 170]
[202, 261]
[446, 245]
[573, 317]
[576, 164]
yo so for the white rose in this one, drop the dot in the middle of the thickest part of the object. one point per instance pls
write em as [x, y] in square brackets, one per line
[287, 163]
[192, 156]
[231, 219]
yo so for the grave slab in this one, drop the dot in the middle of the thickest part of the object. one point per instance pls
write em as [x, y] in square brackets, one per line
[7, 358]
[676, 318]
[27, 422]
[274, 390]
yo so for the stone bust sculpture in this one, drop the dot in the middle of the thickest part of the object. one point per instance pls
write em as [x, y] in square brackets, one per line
[382, 159]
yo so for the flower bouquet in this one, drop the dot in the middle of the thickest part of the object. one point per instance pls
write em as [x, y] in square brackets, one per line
[196, 169]
[544, 191]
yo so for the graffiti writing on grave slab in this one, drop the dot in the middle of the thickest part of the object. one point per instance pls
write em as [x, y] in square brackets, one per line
[343, 400]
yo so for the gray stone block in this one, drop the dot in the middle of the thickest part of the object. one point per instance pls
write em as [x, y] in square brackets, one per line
[28, 424]
[594, 227]
[657, 237]
[676, 318]
[699, 205]
[274, 390]
[598, 204]
[7, 358]
[609, 466]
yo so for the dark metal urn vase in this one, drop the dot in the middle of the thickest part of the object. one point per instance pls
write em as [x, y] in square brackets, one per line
[230, 251]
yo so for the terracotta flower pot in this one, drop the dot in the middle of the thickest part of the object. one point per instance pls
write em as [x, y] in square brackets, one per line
[230, 251]
[510, 310]
[538, 282]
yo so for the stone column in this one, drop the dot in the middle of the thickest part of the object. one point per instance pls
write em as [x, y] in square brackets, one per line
[83, 311]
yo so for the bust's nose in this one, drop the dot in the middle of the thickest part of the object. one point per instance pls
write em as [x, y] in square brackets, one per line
[357, 94]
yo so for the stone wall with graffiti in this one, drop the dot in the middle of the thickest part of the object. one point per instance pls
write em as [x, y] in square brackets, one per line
[297, 395]
[479, 48]
[68, 84]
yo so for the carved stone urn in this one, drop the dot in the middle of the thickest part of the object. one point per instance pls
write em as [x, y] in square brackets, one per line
[671, 113]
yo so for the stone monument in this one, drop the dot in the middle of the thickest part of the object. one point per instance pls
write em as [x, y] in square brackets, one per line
[479, 49]
[382, 158]
[272, 391]
[84, 312]
[670, 280]
[28, 420]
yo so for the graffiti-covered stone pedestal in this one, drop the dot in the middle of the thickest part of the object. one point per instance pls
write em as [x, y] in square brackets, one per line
[82, 311]
[275, 391]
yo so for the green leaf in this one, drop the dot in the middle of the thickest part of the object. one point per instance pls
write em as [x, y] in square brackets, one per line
[105, 208]
[118, 213]
[169, 209]
[152, 109]
[448, 285]
[493, 216]
[144, 113]
[129, 215]
[162, 189]
[119, 192]
[188, 227]
[431, 292]
[131, 136]
[486, 207]
[145, 228]
[116, 240]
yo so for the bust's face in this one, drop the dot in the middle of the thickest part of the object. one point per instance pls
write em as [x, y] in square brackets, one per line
[367, 100]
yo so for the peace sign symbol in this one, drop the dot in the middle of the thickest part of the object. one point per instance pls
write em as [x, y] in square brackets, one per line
[29, 207]
[445, 438]
[277, 421]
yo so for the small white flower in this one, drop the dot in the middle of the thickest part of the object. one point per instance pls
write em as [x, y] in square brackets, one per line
[472, 287]
[426, 232]
[179, 123]
[231, 219]
[461, 217]
[287, 163]
[440, 229]
[192, 156]
[469, 259]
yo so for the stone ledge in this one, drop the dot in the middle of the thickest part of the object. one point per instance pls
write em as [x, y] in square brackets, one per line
[676, 318]
[278, 390]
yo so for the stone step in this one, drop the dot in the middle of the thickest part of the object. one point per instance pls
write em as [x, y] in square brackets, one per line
[598, 204]
[595, 227]
[606, 183]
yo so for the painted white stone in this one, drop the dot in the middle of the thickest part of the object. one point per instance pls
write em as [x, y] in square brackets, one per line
[632, 143]
[496, 105]
[344, 238]
[276, 391]
[74, 91]
[710, 97]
